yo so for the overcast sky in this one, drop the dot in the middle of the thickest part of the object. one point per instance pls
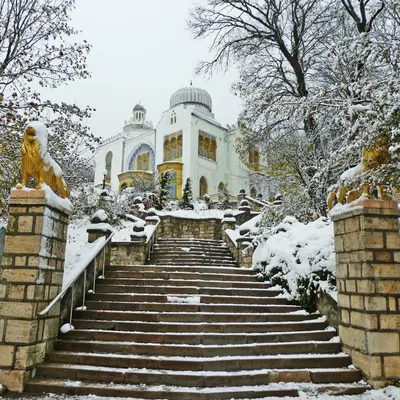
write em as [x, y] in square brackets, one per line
[142, 51]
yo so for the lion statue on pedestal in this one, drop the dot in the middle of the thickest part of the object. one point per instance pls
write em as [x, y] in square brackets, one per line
[37, 162]
[372, 158]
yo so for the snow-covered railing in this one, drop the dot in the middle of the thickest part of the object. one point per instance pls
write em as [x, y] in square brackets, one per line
[259, 202]
[94, 258]
[152, 238]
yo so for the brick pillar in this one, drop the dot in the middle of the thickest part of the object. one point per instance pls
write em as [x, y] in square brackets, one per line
[31, 277]
[367, 244]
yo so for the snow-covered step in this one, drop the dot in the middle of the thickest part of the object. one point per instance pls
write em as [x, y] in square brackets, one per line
[272, 298]
[183, 282]
[200, 338]
[182, 275]
[139, 326]
[194, 317]
[185, 290]
[77, 387]
[256, 349]
[189, 304]
[200, 329]
[195, 378]
[177, 363]
[180, 268]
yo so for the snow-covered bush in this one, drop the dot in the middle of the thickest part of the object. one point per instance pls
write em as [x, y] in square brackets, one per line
[300, 258]
[295, 204]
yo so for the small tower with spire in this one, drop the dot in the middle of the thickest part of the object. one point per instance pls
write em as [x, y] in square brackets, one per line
[139, 114]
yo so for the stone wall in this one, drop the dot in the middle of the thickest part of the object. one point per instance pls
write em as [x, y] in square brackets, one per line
[367, 244]
[175, 227]
[129, 253]
[31, 277]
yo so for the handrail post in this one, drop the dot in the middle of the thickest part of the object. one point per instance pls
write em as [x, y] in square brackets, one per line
[104, 261]
[84, 289]
[72, 305]
[94, 274]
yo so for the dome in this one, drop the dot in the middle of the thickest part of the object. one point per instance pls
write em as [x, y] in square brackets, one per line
[138, 107]
[191, 95]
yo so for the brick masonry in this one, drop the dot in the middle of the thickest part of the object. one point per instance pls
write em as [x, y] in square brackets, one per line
[367, 244]
[175, 227]
[31, 277]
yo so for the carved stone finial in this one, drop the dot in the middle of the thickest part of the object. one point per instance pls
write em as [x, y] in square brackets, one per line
[37, 162]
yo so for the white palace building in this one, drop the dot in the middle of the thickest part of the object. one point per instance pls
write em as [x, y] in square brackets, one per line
[188, 140]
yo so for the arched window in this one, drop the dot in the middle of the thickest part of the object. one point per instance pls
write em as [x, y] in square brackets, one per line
[173, 117]
[145, 161]
[109, 157]
[254, 159]
[179, 146]
[221, 187]
[253, 192]
[207, 146]
[173, 147]
[203, 186]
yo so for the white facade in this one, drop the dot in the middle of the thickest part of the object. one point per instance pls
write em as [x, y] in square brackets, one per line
[188, 139]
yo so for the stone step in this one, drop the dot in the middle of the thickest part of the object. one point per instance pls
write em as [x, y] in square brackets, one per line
[201, 248]
[177, 268]
[193, 251]
[231, 363]
[174, 350]
[184, 307]
[204, 299]
[154, 392]
[201, 259]
[200, 380]
[199, 339]
[185, 290]
[186, 317]
[181, 275]
[163, 327]
[190, 240]
[195, 263]
[183, 282]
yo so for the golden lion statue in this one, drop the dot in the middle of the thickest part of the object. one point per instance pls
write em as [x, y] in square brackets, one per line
[37, 162]
[372, 158]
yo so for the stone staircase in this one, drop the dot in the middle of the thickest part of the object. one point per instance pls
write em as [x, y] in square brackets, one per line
[191, 325]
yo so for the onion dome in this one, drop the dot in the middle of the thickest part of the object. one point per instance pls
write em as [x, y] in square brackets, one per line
[191, 95]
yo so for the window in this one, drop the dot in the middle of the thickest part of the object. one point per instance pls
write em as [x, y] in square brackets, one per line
[109, 157]
[179, 146]
[207, 146]
[203, 186]
[173, 117]
[253, 192]
[173, 147]
[254, 159]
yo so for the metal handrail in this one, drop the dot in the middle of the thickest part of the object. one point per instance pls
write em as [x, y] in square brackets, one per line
[152, 240]
[72, 283]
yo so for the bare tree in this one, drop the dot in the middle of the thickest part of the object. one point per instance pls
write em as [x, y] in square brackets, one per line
[37, 50]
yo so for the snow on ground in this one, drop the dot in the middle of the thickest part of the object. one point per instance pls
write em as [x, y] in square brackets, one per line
[79, 251]
[194, 214]
[390, 393]
[252, 224]
[295, 250]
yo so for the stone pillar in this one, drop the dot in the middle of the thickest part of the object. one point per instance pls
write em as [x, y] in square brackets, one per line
[31, 277]
[228, 222]
[367, 244]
